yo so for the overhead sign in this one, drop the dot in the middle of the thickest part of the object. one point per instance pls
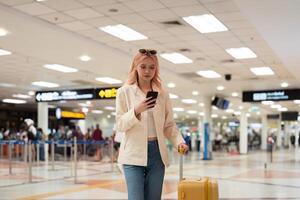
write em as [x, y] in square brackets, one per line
[46, 96]
[106, 93]
[271, 95]
[73, 115]
[82, 94]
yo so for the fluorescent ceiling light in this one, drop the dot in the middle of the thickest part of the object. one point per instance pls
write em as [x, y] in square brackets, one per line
[224, 117]
[192, 111]
[178, 109]
[21, 96]
[4, 52]
[267, 102]
[3, 32]
[208, 74]
[229, 111]
[7, 85]
[85, 58]
[97, 111]
[205, 23]
[109, 108]
[176, 58]
[220, 87]
[61, 68]
[123, 32]
[297, 101]
[45, 84]
[189, 101]
[262, 71]
[31, 93]
[283, 109]
[201, 113]
[108, 80]
[173, 96]
[195, 93]
[171, 85]
[14, 101]
[201, 104]
[241, 53]
[235, 94]
[284, 84]
[214, 115]
[276, 106]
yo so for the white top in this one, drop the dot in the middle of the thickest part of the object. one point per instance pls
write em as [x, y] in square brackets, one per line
[119, 135]
[151, 124]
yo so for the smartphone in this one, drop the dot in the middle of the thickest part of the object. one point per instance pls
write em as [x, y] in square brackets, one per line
[153, 95]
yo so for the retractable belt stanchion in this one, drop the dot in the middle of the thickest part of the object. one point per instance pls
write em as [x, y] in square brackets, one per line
[84, 149]
[71, 157]
[30, 162]
[9, 154]
[25, 151]
[65, 150]
[1, 151]
[38, 152]
[75, 160]
[52, 154]
[112, 154]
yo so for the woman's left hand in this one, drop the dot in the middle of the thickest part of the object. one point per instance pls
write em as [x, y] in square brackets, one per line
[183, 148]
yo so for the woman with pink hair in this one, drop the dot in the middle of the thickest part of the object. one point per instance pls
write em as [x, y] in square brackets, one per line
[146, 123]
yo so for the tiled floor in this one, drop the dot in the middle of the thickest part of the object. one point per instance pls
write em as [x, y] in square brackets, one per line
[239, 177]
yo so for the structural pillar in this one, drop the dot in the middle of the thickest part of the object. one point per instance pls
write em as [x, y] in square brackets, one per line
[279, 139]
[243, 133]
[43, 123]
[207, 125]
[264, 132]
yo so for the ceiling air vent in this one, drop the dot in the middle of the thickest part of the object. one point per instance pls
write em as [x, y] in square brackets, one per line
[172, 23]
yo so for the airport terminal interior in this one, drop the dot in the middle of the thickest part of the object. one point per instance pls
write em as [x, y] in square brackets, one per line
[231, 69]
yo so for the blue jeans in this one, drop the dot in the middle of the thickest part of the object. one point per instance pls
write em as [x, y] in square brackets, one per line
[145, 183]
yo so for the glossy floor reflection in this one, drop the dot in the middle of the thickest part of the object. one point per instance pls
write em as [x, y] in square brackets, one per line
[246, 177]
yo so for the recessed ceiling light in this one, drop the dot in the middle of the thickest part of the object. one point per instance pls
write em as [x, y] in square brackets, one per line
[241, 107]
[45, 84]
[14, 101]
[173, 96]
[241, 53]
[189, 101]
[195, 93]
[61, 68]
[205, 23]
[108, 80]
[9, 85]
[220, 87]
[4, 52]
[284, 84]
[176, 58]
[248, 115]
[214, 115]
[201, 104]
[229, 111]
[178, 109]
[224, 117]
[208, 74]
[237, 113]
[97, 111]
[84, 110]
[85, 58]
[201, 113]
[123, 32]
[21, 96]
[171, 85]
[108, 116]
[3, 32]
[88, 102]
[262, 71]
[235, 94]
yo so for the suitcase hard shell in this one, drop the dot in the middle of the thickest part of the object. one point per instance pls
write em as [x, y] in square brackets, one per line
[202, 189]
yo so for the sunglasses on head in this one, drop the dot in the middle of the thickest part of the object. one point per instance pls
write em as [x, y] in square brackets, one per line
[148, 52]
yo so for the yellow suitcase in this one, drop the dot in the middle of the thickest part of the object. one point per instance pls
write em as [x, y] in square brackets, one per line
[203, 189]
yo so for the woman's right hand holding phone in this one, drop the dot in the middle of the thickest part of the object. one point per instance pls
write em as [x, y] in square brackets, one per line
[144, 105]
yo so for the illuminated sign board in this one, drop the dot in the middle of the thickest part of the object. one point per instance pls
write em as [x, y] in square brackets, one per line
[106, 93]
[82, 94]
[271, 95]
[72, 115]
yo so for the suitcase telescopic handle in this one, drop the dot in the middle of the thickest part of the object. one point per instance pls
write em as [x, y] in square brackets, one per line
[181, 153]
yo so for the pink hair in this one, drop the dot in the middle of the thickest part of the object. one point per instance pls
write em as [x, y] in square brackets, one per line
[133, 75]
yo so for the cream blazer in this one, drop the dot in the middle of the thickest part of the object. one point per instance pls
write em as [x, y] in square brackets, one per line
[133, 149]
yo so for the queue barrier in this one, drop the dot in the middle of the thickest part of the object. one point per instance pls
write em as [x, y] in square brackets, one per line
[28, 153]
